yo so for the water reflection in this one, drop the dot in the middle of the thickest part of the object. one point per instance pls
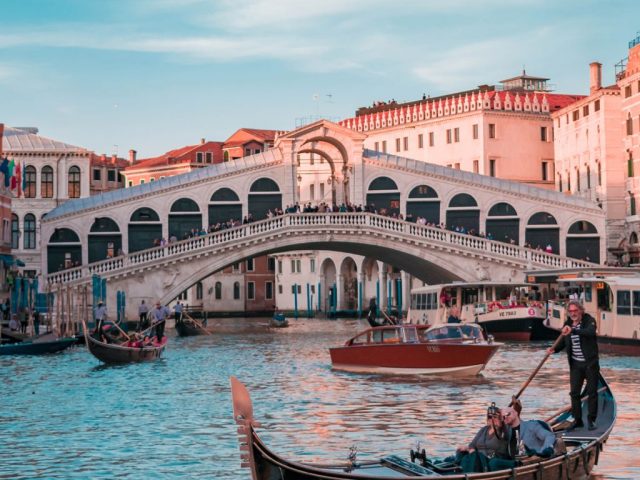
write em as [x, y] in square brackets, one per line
[66, 416]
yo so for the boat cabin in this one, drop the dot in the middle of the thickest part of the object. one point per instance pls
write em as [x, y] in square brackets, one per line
[419, 334]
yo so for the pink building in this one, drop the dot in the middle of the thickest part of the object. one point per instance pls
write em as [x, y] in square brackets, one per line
[588, 149]
[5, 229]
[504, 131]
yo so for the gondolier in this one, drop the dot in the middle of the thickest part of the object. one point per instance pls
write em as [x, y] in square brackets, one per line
[582, 351]
[177, 309]
[159, 316]
[143, 310]
[100, 315]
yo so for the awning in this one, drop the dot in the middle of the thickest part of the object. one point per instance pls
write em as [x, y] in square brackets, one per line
[9, 260]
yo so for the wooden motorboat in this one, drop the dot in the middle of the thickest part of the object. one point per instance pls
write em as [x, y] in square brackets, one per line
[583, 450]
[452, 349]
[35, 347]
[120, 353]
[279, 321]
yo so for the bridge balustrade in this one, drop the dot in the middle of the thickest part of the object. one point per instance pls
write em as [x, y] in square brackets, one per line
[303, 221]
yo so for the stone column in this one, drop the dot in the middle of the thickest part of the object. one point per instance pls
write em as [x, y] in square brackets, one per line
[382, 278]
[339, 292]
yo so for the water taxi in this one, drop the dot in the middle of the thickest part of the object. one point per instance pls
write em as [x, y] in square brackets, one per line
[508, 311]
[452, 349]
[610, 295]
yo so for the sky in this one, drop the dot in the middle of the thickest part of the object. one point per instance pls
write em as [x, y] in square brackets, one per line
[154, 75]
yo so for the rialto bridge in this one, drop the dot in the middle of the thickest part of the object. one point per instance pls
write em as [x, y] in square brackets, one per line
[113, 235]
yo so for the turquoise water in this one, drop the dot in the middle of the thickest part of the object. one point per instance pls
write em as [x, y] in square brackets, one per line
[68, 416]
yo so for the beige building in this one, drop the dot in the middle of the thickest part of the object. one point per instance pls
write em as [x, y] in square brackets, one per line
[588, 149]
[503, 131]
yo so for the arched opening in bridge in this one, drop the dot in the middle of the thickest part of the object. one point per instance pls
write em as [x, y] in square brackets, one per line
[64, 250]
[224, 205]
[328, 277]
[463, 214]
[264, 195]
[349, 278]
[104, 239]
[583, 242]
[423, 202]
[543, 230]
[370, 274]
[503, 223]
[184, 218]
[145, 229]
[383, 196]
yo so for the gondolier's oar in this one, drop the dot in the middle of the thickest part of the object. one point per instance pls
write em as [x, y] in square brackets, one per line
[388, 319]
[534, 373]
[152, 326]
[197, 324]
[122, 331]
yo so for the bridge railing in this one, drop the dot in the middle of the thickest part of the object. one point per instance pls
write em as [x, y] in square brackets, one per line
[303, 221]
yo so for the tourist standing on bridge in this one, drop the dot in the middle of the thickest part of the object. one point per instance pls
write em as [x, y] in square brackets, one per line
[143, 310]
[159, 317]
[582, 351]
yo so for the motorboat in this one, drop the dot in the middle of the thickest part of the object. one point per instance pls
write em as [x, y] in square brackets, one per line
[452, 349]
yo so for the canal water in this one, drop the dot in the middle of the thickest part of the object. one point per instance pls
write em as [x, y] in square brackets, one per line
[67, 416]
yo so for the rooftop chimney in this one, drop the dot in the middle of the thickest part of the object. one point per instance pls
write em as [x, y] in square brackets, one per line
[202, 141]
[114, 158]
[132, 156]
[103, 157]
[595, 77]
[1, 136]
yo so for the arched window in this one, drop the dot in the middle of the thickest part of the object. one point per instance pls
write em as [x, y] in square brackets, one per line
[225, 156]
[218, 291]
[559, 182]
[30, 182]
[588, 177]
[29, 231]
[46, 182]
[74, 182]
[199, 291]
[236, 290]
[15, 232]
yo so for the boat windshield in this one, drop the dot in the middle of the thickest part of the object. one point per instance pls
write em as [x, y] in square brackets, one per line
[454, 332]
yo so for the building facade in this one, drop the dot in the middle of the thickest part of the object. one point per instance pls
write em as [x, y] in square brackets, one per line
[6, 259]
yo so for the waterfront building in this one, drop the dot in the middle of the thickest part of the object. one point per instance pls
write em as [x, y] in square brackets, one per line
[6, 259]
[588, 149]
[501, 131]
[53, 172]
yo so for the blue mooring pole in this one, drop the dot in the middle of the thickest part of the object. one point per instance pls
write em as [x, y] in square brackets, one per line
[295, 300]
[309, 305]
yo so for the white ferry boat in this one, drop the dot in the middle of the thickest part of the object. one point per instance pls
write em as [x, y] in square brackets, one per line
[610, 295]
[508, 311]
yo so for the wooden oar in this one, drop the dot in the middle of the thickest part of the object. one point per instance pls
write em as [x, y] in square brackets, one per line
[122, 331]
[535, 372]
[387, 317]
[197, 324]
[152, 326]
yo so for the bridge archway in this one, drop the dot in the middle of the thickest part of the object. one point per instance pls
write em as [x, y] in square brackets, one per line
[144, 229]
[349, 279]
[423, 202]
[384, 195]
[184, 217]
[583, 241]
[503, 223]
[64, 250]
[104, 239]
[224, 205]
[264, 195]
[329, 277]
[543, 230]
[463, 212]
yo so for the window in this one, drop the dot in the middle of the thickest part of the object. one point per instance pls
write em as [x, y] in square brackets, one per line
[321, 191]
[296, 266]
[492, 130]
[30, 182]
[295, 288]
[397, 144]
[568, 180]
[218, 291]
[199, 291]
[492, 167]
[384, 146]
[313, 289]
[636, 302]
[199, 157]
[15, 232]
[152, 180]
[588, 177]
[629, 125]
[142, 181]
[312, 191]
[208, 157]
[448, 135]
[46, 182]
[130, 183]
[623, 301]
[271, 264]
[578, 179]
[476, 166]
[405, 143]
[432, 139]
[456, 135]
[376, 146]
[235, 268]
[627, 91]
[576, 115]
[280, 289]
[543, 134]
[632, 204]
[236, 290]
[544, 171]
[585, 110]
[247, 152]
[111, 175]
[250, 265]
[74, 182]
[257, 151]
[630, 166]
[475, 131]
[456, 165]
[420, 140]
[97, 174]
[251, 290]
[183, 296]
[268, 290]
[599, 174]
[559, 182]
[225, 156]
[596, 106]
[312, 265]
[29, 231]
[279, 266]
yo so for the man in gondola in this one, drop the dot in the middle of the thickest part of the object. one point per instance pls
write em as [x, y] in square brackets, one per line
[581, 345]
[528, 437]
[177, 309]
[159, 316]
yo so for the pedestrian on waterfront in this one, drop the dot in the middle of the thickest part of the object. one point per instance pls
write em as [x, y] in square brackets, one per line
[100, 315]
[177, 309]
[159, 317]
[23, 315]
[454, 315]
[581, 344]
[36, 321]
[143, 310]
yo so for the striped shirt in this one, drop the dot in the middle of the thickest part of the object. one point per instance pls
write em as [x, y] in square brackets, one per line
[576, 349]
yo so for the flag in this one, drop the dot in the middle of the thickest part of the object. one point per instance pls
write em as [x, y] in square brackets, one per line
[4, 168]
[18, 177]
[12, 179]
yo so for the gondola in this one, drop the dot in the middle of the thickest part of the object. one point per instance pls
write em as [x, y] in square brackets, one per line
[119, 353]
[188, 327]
[29, 347]
[583, 450]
